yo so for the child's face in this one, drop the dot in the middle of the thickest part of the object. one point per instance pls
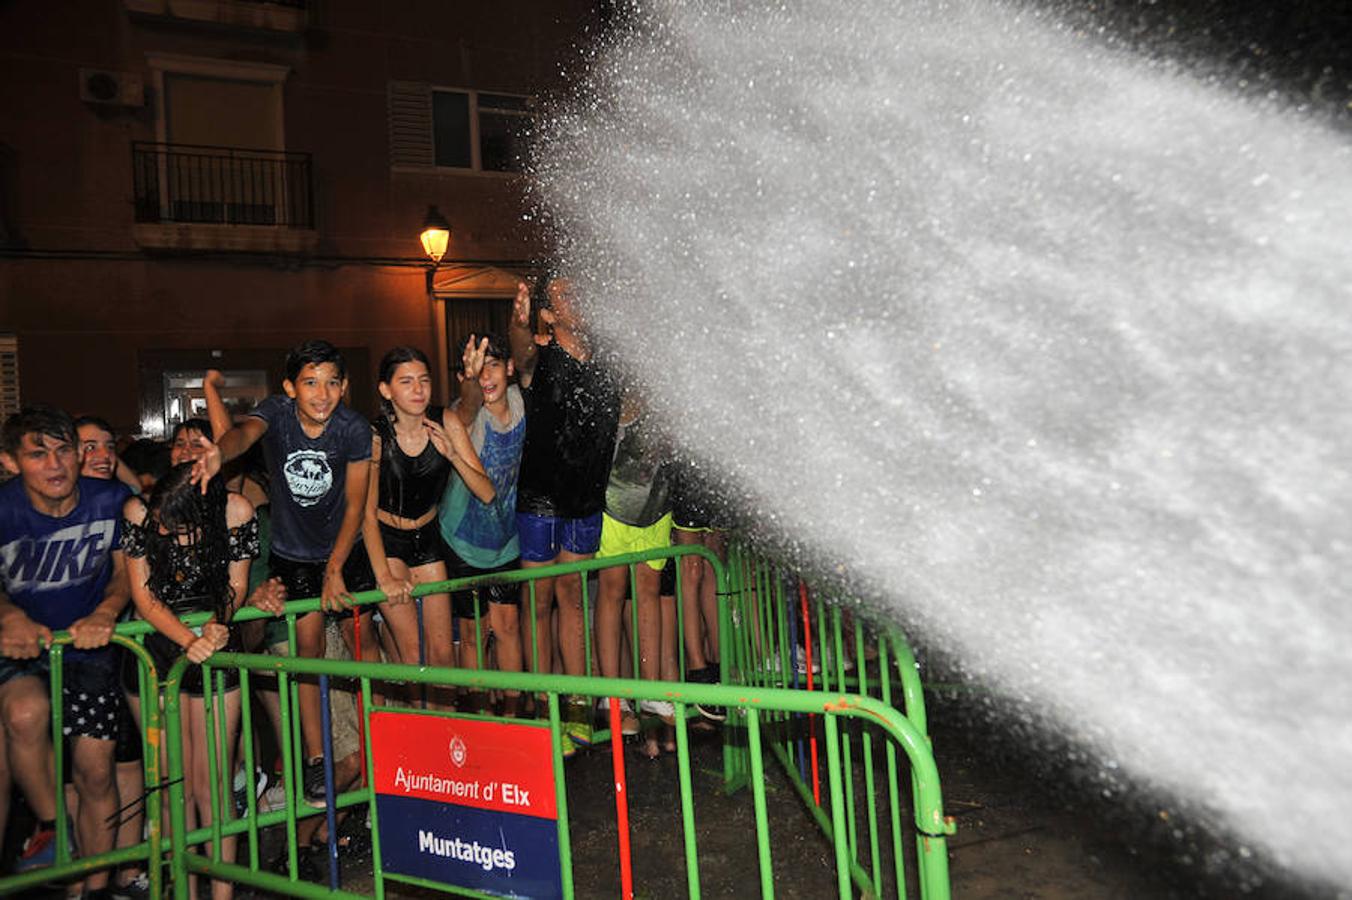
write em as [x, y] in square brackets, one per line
[98, 452]
[409, 388]
[493, 378]
[49, 466]
[318, 389]
[189, 445]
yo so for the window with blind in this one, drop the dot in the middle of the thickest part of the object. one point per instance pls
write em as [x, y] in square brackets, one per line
[9, 376]
[444, 128]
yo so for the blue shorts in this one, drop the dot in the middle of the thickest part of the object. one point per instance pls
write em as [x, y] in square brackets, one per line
[542, 537]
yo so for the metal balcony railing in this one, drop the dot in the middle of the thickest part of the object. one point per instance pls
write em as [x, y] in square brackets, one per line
[191, 184]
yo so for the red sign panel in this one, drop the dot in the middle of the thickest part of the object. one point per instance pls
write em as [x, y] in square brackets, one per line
[496, 766]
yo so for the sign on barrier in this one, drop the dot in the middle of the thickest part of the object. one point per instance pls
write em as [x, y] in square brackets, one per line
[467, 803]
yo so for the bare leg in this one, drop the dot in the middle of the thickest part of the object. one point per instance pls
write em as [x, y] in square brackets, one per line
[92, 773]
[692, 569]
[609, 611]
[27, 718]
[310, 645]
[543, 590]
[198, 774]
[572, 620]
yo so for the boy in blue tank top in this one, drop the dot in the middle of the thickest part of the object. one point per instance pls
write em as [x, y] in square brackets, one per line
[482, 537]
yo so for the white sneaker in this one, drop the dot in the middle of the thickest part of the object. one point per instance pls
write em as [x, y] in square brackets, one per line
[663, 709]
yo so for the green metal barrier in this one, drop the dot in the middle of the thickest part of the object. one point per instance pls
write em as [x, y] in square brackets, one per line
[67, 868]
[781, 636]
[767, 714]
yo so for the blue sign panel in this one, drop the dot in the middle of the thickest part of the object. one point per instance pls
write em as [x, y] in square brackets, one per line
[495, 852]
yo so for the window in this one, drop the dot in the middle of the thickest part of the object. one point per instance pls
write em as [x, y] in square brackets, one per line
[457, 129]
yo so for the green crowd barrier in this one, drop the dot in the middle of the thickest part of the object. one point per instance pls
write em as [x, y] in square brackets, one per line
[863, 812]
[785, 636]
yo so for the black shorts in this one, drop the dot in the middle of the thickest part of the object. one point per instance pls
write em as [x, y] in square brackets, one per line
[89, 696]
[414, 547]
[165, 653]
[304, 580]
[463, 602]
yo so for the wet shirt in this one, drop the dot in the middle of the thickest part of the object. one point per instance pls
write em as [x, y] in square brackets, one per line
[639, 490]
[572, 411]
[187, 591]
[309, 476]
[484, 534]
[409, 485]
[56, 569]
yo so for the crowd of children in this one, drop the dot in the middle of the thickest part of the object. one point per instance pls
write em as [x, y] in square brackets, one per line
[545, 457]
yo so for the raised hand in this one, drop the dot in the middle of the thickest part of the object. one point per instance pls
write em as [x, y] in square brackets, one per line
[473, 357]
[521, 305]
[206, 465]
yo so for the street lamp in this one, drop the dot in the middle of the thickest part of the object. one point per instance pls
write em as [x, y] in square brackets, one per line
[436, 233]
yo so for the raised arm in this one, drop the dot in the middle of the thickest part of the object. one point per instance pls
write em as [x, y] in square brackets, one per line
[471, 395]
[219, 416]
[230, 445]
[524, 350]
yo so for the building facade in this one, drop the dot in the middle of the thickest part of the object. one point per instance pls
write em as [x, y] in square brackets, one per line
[193, 184]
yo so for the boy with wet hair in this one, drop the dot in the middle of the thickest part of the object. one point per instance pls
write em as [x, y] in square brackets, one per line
[61, 567]
[318, 453]
[481, 537]
[572, 412]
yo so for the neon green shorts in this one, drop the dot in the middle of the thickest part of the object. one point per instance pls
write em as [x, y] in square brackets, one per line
[618, 538]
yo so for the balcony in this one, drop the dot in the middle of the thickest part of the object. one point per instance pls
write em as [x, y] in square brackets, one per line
[220, 198]
[267, 15]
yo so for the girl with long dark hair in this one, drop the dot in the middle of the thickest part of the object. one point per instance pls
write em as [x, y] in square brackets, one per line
[189, 551]
[415, 449]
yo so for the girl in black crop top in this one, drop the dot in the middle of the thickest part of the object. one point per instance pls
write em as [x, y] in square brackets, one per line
[415, 449]
[189, 551]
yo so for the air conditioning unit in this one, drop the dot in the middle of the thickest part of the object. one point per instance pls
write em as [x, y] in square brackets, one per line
[112, 88]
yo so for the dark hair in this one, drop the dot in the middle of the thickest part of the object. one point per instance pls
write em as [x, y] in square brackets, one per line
[392, 360]
[396, 357]
[202, 426]
[147, 457]
[181, 508]
[38, 419]
[313, 353]
[498, 348]
[101, 424]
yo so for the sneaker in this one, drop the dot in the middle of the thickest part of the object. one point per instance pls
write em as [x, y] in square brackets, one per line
[136, 889]
[312, 778]
[707, 675]
[577, 724]
[628, 721]
[663, 709]
[241, 787]
[38, 851]
[274, 798]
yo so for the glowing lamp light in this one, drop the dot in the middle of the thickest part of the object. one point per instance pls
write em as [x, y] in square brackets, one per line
[436, 234]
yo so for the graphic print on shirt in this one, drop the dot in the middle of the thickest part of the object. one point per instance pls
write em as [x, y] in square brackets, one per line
[66, 557]
[308, 475]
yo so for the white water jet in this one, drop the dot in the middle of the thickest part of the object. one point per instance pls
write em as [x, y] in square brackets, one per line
[1047, 344]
